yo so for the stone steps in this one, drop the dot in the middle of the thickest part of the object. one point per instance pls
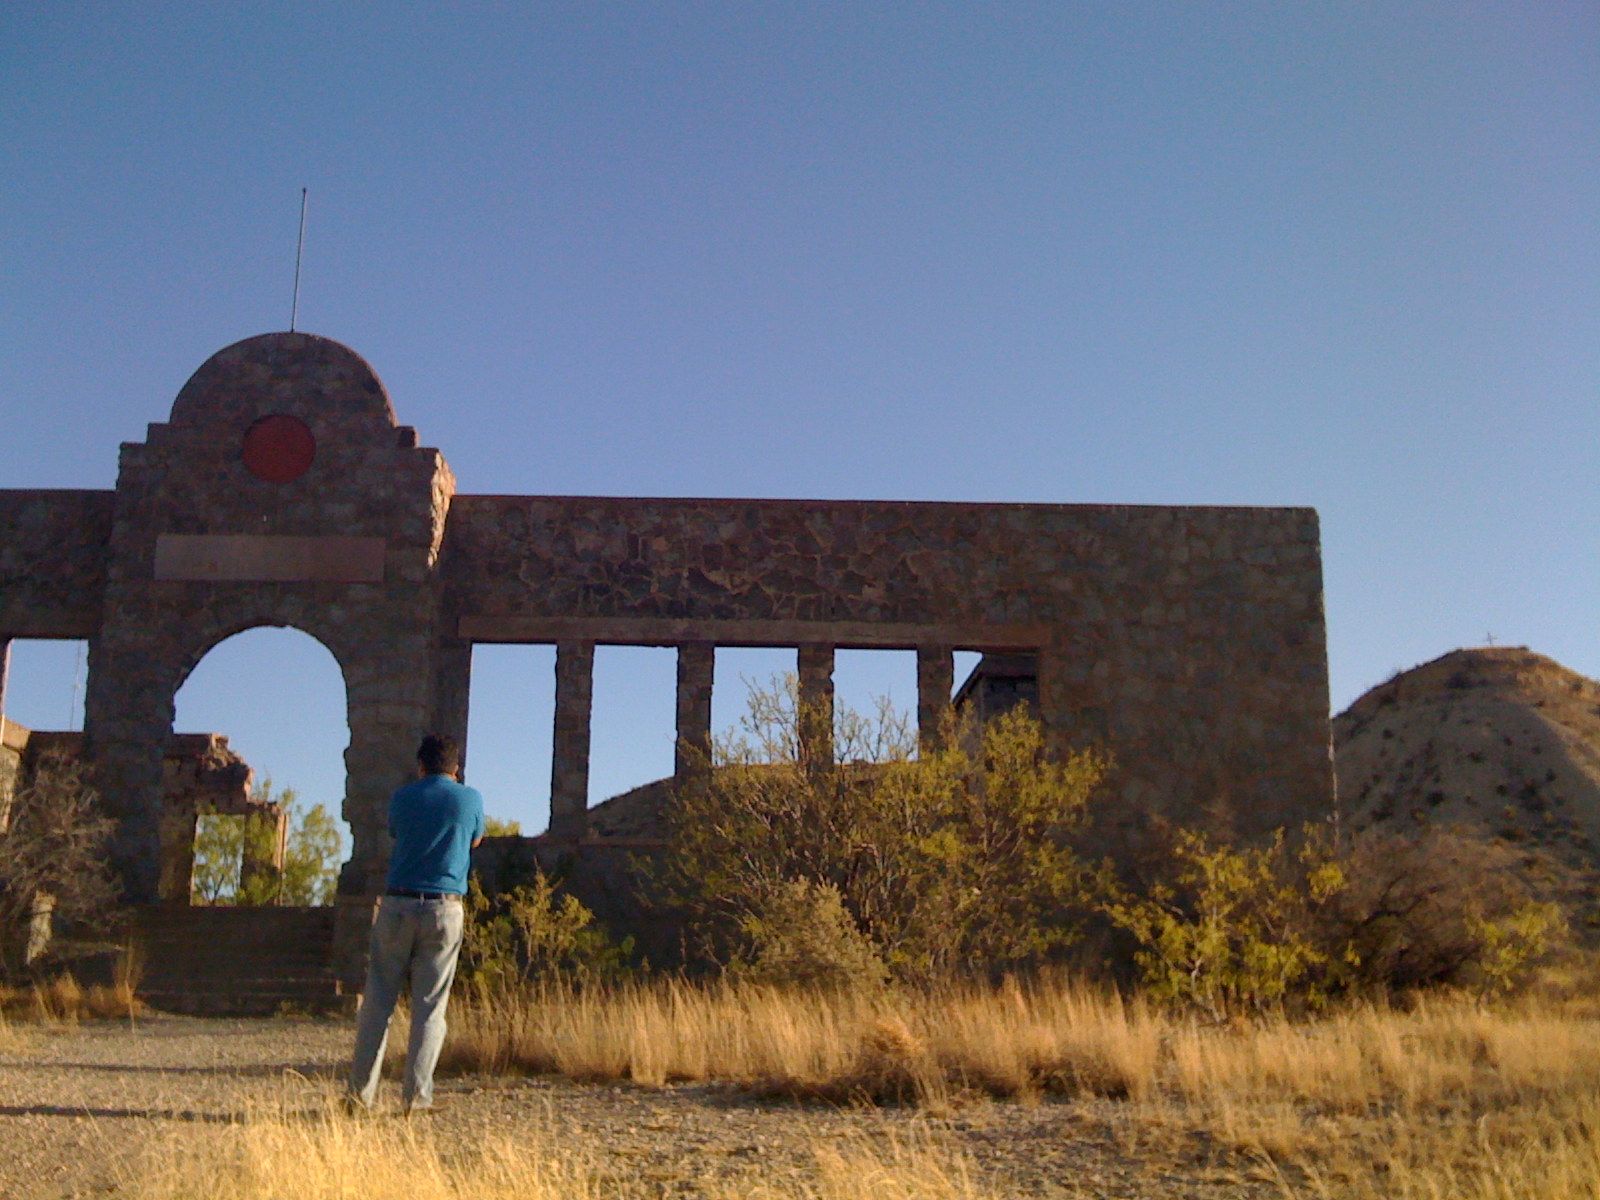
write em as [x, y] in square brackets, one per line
[236, 961]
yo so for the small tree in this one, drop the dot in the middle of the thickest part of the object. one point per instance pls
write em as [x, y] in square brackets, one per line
[312, 850]
[219, 846]
[53, 856]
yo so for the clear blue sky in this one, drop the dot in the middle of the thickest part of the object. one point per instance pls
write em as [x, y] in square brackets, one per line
[1334, 255]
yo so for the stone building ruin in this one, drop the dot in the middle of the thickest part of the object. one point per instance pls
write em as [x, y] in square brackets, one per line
[201, 776]
[282, 490]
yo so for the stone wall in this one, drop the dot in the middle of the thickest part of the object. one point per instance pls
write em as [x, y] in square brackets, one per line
[281, 491]
[1188, 640]
[13, 742]
[202, 548]
[53, 561]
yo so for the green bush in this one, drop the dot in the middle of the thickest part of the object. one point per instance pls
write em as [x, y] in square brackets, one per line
[1232, 930]
[949, 861]
[802, 936]
[535, 933]
[1442, 907]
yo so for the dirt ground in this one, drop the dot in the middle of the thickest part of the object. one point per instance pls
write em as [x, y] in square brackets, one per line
[78, 1105]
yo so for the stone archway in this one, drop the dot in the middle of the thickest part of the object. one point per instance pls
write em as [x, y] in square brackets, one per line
[277, 696]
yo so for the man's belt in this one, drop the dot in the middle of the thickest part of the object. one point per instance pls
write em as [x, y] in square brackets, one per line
[411, 895]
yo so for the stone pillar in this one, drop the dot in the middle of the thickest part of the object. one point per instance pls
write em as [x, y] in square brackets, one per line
[381, 757]
[696, 665]
[128, 718]
[40, 927]
[1055, 709]
[388, 714]
[265, 834]
[9, 771]
[452, 680]
[816, 703]
[569, 759]
[5, 677]
[936, 671]
[178, 818]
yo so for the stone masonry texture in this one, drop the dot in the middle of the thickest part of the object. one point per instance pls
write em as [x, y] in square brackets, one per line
[1189, 641]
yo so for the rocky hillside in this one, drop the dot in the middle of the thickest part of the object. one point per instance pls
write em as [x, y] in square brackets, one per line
[1500, 741]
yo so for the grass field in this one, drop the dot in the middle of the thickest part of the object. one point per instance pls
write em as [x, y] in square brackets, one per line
[63, 999]
[337, 1159]
[1447, 1099]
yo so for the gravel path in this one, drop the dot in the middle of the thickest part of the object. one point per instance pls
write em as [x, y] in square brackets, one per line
[77, 1105]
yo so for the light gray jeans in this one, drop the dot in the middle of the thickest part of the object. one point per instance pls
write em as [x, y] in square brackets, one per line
[422, 939]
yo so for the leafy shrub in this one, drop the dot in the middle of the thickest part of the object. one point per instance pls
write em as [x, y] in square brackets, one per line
[802, 936]
[533, 932]
[1440, 908]
[951, 860]
[1231, 929]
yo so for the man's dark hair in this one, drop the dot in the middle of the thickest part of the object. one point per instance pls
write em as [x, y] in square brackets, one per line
[439, 755]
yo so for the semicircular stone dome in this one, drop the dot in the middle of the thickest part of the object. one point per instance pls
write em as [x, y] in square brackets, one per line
[316, 379]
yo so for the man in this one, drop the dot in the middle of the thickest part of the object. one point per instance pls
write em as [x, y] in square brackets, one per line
[435, 822]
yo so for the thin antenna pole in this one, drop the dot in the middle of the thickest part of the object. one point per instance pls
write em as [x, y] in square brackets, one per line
[294, 309]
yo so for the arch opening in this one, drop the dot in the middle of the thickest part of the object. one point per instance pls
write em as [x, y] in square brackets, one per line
[276, 836]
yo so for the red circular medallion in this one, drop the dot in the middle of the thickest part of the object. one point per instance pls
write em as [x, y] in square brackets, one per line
[279, 448]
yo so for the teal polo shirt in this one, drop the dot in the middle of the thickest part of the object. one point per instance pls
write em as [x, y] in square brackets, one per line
[433, 822]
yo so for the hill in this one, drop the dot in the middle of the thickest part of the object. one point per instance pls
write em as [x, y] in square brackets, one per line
[1500, 742]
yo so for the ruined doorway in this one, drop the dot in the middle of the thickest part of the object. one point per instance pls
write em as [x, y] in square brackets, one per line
[278, 696]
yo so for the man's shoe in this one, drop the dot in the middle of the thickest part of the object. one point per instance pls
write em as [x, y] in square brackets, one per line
[350, 1105]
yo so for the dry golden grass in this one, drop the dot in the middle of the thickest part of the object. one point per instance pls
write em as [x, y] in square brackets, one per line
[63, 1001]
[330, 1157]
[1449, 1099]
[12, 1039]
[1017, 1041]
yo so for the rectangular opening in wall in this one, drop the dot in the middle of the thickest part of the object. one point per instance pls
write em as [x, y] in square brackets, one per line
[741, 670]
[510, 724]
[45, 686]
[632, 731]
[988, 685]
[874, 704]
[966, 662]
